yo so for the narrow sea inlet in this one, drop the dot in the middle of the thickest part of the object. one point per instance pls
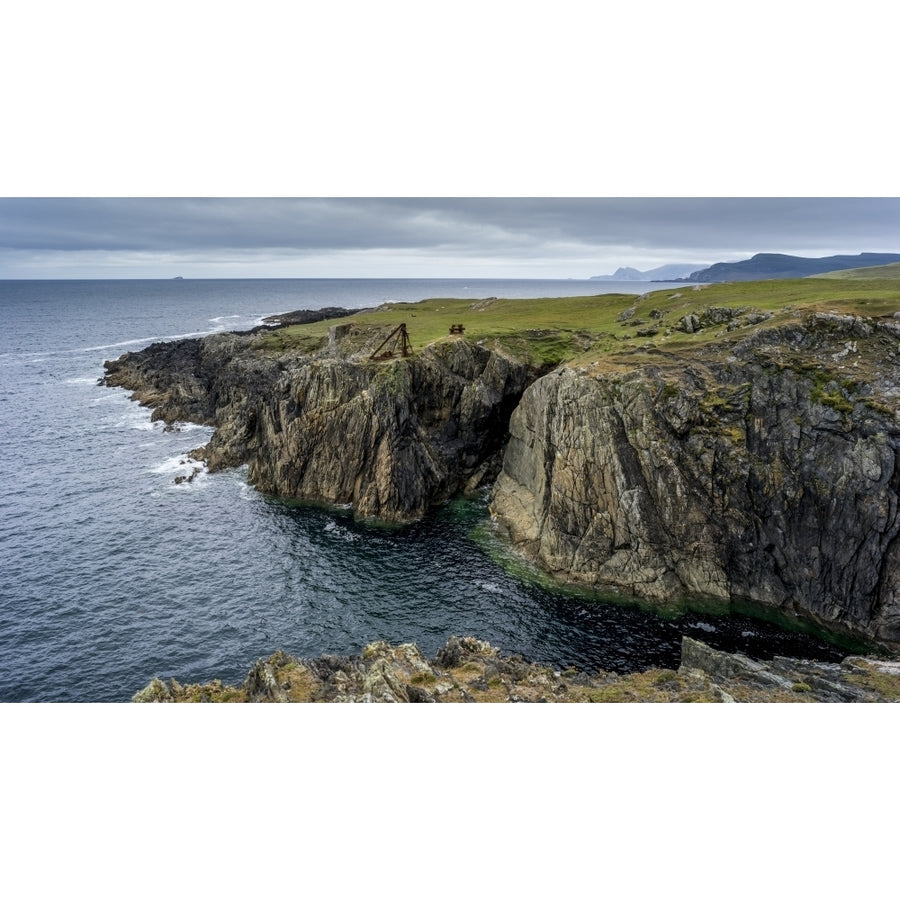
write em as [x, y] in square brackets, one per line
[121, 562]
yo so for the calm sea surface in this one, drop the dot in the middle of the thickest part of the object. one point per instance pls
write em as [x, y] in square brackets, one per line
[110, 573]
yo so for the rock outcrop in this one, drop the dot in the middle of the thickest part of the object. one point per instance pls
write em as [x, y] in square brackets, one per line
[328, 425]
[762, 471]
[467, 670]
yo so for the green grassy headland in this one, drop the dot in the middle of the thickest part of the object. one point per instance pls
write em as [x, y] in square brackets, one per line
[549, 331]
[892, 270]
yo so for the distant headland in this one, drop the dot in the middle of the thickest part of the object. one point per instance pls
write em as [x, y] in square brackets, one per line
[761, 267]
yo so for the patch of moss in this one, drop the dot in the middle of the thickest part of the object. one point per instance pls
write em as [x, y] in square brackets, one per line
[833, 399]
[391, 378]
[711, 403]
[669, 391]
[867, 676]
[881, 408]
[301, 684]
[652, 686]
[734, 433]
[831, 390]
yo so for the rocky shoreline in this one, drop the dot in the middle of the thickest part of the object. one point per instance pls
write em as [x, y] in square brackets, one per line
[467, 670]
[328, 426]
[763, 467]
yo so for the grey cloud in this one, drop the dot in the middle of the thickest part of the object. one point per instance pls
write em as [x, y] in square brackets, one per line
[691, 229]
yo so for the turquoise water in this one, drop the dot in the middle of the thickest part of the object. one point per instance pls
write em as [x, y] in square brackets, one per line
[110, 573]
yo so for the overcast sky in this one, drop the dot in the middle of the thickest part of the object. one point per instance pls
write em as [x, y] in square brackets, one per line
[420, 238]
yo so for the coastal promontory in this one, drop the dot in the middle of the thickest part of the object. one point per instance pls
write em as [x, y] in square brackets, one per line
[733, 442]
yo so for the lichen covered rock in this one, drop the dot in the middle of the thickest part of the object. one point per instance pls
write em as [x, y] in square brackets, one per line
[758, 471]
[467, 670]
[390, 438]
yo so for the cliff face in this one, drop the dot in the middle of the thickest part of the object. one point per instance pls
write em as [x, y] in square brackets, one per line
[763, 471]
[390, 438]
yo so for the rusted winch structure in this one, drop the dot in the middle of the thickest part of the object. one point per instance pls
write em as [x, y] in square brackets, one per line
[397, 340]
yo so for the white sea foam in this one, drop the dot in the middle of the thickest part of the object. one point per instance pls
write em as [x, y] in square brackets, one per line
[170, 465]
[704, 626]
[178, 465]
[131, 416]
[189, 470]
[134, 341]
[236, 322]
[490, 586]
[80, 381]
[341, 533]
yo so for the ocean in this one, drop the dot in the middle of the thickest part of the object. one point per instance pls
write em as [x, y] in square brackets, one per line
[111, 573]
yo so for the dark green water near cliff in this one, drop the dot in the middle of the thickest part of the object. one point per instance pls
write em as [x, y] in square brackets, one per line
[111, 573]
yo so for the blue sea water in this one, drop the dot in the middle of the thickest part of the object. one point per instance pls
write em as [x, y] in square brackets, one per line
[111, 573]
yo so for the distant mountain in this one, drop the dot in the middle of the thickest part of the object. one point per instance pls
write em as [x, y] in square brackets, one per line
[660, 273]
[778, 265]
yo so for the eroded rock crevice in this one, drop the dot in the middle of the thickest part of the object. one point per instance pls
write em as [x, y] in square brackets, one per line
[391, 438]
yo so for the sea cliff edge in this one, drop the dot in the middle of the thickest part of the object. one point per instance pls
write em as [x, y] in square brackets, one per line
[760, 467]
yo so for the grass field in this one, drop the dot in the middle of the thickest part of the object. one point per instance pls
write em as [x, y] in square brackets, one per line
[889, 271]
[549, 331]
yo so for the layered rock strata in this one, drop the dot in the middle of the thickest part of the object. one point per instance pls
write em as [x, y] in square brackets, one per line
[764, 471]
[391, 438]
[467, 670]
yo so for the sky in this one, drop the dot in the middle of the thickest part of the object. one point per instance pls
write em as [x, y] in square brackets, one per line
[155, 237]
[324, 150]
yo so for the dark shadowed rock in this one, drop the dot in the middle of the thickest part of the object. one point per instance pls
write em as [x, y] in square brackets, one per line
[390, 438]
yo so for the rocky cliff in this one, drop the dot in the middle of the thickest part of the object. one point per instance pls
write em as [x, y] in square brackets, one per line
[325, 424]
[762, 470]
